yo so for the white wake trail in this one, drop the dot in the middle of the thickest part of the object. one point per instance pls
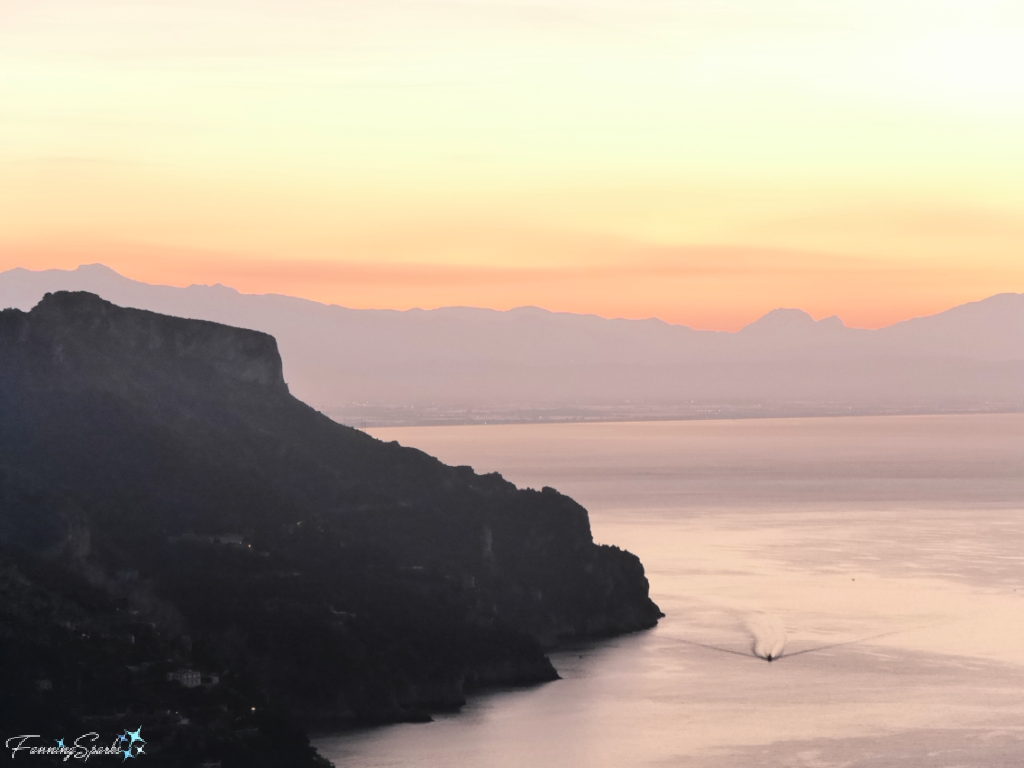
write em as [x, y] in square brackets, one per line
[768, 636]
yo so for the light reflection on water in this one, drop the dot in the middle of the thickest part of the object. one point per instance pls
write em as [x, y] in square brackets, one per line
[896, 545]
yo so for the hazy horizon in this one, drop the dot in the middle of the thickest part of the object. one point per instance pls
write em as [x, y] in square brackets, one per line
[464, 365]
[427, 308]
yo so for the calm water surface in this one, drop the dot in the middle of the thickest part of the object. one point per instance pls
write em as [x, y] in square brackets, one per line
[889, 551]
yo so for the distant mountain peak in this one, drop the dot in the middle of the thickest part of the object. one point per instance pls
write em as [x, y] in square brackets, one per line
[781, 318]
[216, 287]
[790, 320]
[832, 322]
[97, 269]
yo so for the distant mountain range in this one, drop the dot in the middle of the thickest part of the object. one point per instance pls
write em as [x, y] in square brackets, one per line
[464, 364]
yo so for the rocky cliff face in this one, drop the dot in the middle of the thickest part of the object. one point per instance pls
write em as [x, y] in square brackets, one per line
[71, 335]
[343, 578]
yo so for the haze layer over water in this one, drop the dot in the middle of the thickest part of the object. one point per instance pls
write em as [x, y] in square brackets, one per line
[883, 557]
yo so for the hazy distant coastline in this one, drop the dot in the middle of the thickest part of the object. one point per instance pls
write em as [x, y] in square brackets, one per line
[461, 365]
[374, 415]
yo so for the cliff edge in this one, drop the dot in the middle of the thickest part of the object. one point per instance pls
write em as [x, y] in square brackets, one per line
[158, 470]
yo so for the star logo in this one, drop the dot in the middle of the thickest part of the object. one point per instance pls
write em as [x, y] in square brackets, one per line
[135, 742]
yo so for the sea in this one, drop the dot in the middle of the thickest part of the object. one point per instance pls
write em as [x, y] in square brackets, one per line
[881, 559]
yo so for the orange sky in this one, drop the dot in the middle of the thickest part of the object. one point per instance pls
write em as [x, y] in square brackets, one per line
[702, 164]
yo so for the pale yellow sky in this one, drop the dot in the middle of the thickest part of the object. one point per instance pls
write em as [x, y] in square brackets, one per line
[699, 162]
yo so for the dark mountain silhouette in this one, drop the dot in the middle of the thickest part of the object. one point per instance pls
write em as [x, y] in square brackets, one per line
[417, 366]
[165, 503]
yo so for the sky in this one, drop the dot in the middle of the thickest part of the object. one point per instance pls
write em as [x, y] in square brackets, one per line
[699, 162]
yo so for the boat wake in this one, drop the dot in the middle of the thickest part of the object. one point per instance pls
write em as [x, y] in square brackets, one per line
[768, 640]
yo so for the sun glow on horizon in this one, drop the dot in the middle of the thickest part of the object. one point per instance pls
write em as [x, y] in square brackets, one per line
[699, 164]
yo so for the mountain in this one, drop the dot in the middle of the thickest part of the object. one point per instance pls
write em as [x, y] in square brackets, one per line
[166, 504]
[463, 364]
